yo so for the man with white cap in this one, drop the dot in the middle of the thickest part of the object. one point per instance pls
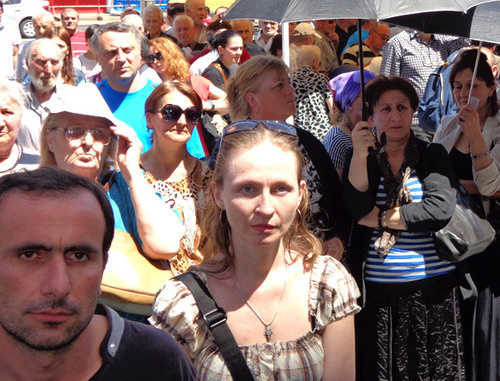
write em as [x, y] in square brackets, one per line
[303, 34]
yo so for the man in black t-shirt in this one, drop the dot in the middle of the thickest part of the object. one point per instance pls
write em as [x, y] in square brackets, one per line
[55, 232]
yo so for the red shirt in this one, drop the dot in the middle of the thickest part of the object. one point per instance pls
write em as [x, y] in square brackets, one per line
[78, 43]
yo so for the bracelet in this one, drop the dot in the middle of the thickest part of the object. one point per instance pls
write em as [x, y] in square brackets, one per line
[380, 214]
[384, 223]
[480, 156]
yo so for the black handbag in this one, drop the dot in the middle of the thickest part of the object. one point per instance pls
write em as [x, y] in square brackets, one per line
[468, 232]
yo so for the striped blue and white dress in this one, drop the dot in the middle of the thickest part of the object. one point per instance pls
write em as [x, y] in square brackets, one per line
[413, 257]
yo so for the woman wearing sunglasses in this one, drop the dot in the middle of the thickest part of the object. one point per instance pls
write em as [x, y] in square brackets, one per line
[261, 90]
[264, 269]
[84, 138]
[172, 111]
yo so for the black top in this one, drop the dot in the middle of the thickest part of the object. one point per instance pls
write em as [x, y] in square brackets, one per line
[213, 73]
[134, 351]
[165, 35]
[343, 37]
[429, 215]
[329, 213]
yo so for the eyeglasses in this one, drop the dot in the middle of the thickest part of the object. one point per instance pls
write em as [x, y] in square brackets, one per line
[100, 135]
[152, 57]
[172, 113]
[248, 125]
[384, 37]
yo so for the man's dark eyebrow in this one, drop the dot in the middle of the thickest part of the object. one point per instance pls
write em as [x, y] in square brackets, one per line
[33, 247]
[84, 248]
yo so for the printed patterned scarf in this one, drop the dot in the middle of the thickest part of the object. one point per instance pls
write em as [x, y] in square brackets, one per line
[396, 190]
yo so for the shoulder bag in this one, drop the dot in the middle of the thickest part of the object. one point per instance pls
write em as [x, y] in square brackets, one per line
[215, 317]
[467, 233]
[131, 280]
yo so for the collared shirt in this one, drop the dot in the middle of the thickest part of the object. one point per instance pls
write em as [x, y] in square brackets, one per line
[35, 113]
[260, 41]
[9, 37]
[328, 60]
[408, 56]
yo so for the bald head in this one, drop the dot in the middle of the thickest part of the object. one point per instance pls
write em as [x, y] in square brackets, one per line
[196, 10]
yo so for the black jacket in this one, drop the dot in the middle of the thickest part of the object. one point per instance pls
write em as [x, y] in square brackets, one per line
[434, 171]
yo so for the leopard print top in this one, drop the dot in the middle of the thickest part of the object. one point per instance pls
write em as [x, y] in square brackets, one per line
[187, 197]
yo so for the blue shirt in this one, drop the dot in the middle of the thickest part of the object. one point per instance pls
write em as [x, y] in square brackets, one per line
[129, 108]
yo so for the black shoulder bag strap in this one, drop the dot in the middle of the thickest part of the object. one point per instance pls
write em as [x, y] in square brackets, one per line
[215, 317]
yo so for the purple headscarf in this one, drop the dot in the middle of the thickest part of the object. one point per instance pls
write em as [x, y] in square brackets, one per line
[347, 86]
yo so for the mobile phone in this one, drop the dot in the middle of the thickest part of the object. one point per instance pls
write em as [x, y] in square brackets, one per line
[474, 102]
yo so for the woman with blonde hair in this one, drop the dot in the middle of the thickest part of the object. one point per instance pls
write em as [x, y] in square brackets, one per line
[263, 267]
[261, 90]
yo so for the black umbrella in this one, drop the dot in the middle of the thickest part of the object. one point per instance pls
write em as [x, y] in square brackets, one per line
[481, 22]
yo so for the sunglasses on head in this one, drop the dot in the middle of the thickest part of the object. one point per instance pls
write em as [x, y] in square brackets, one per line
[172, 113]
[248, 125]
[152, 57]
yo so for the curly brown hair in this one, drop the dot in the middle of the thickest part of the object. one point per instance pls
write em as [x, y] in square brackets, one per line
[177, 67]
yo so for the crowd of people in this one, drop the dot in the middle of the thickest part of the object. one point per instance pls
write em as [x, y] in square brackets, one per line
[268, 189]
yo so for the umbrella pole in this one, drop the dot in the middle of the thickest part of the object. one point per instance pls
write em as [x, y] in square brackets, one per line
[364, 113]
[475, 69]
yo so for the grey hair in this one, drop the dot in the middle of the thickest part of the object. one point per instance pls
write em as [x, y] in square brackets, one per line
[308, 54]
[41, 41]
[13, 89]
[153, 8]
[183, 17]
[135, 20]
[116, 26]
[45, 16]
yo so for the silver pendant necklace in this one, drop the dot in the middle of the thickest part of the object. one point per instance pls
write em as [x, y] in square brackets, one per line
[267, 331]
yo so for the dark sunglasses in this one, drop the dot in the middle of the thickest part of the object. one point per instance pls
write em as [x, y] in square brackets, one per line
[152, 57]
[172, 113]
[248, 125]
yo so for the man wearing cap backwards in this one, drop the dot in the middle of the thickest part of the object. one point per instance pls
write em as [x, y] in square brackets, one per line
[118, 51]
[44, 90]
[51, 326]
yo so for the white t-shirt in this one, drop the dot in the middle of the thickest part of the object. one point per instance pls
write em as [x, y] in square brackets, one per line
[9, 37]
